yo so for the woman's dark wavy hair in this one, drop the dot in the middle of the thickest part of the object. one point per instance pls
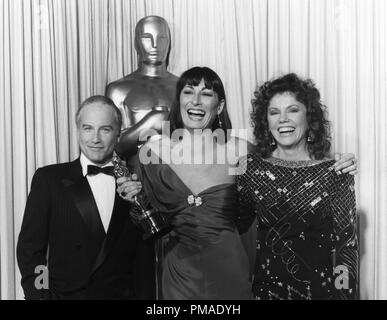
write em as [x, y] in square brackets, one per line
[306, 93]
[212, 81]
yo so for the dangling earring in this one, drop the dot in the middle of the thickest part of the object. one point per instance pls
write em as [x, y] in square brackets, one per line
[310, 138]
[273, 142]
[219, 121]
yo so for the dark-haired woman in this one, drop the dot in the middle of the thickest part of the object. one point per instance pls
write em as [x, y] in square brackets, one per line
[307, 244]
[205, 258]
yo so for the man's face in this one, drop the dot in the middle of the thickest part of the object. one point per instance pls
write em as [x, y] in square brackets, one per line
[153, 41]
[97, 132]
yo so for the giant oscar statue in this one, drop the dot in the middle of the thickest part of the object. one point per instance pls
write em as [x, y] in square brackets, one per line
[145, 95]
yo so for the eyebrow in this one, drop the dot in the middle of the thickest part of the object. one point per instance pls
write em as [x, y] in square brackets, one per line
[103, 126]
[291, 105]
[192, 86]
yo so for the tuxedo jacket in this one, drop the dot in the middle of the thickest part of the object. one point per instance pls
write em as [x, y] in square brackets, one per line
[62, 229]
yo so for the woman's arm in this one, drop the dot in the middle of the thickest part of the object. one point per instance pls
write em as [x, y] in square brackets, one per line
[247, 221]
[246, 213]
[346, 250]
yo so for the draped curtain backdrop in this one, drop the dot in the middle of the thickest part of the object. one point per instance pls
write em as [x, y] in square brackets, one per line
[55, 53]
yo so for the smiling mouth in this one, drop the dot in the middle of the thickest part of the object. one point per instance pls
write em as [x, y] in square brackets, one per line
[96, 148]
[286, 130]
[196, 114]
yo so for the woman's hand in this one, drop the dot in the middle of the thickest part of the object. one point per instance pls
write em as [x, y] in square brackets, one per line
[345, 163]
[128, 187]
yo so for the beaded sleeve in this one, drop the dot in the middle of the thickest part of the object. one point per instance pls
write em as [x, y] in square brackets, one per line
[346, 250]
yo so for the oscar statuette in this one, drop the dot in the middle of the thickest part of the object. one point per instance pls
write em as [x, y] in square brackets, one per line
[151, 222]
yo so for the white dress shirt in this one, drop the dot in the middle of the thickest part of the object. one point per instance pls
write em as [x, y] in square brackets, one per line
[103, 187]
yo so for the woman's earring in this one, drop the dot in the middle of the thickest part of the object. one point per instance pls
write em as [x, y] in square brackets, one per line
[272, 143]
[219, 121]
[310, 138]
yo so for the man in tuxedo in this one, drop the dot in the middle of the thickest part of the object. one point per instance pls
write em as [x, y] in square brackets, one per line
[77, 227]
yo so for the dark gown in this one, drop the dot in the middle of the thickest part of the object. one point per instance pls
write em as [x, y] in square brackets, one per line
[205, 258]
[307, 240]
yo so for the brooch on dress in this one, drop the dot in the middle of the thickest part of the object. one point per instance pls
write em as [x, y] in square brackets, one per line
[194, 200]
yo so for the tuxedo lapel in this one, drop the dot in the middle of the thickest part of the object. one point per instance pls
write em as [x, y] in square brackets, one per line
[117, 224]
[82, 196]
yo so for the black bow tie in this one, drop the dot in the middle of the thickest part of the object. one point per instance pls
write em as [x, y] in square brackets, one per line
[92, 170]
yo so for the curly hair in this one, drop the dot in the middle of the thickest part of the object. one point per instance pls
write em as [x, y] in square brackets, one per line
[306, 93]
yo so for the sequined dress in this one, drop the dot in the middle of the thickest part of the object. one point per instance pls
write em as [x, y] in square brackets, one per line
[204, 258]
[307, 241]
